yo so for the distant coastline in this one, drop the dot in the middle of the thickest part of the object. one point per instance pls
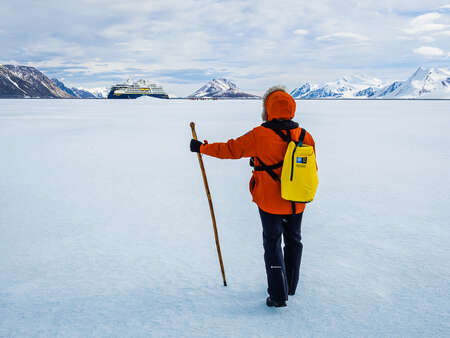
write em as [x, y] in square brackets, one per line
[431, 84]
[240, 99]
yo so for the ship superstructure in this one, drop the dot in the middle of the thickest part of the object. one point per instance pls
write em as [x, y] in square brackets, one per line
[132, 90]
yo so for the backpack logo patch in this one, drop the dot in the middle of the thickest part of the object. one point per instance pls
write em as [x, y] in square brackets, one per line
[301, 160]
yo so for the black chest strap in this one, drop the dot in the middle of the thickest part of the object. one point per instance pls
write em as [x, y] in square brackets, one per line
[270, 168]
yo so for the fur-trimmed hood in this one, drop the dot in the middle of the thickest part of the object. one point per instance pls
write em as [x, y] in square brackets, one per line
[277, 104]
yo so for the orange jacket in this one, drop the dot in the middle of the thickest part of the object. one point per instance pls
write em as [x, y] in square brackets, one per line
[265, 144]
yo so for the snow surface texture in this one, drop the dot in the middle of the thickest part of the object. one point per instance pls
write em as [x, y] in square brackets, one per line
[106, 232]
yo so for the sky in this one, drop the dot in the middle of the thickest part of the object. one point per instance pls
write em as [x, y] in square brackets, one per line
[257, 44]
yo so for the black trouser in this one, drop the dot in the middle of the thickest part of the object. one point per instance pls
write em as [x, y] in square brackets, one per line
[282, 272]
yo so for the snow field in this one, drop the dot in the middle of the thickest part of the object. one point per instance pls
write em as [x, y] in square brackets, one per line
[106, 228]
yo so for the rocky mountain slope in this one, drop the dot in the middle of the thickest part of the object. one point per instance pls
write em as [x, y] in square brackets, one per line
[75, 92]
[23, 81]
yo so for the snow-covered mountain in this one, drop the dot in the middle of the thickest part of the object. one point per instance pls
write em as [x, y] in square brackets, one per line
[75, 92]
[220, 88]
[83, 94]
[387, 90]
[345, 87]
[425, 83]
[99, 93]
[23, 81]
[304, 89]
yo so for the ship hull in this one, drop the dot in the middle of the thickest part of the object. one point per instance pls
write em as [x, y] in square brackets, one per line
[135, 96]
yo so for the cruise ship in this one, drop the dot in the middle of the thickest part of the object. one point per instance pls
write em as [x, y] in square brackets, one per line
[132, 90]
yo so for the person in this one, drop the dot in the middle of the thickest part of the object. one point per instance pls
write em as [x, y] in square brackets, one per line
[266, 145]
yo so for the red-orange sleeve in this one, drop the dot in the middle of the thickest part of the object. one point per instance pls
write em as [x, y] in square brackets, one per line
[243, 146]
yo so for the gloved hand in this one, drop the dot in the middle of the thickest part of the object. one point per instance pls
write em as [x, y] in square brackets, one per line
[195, 146]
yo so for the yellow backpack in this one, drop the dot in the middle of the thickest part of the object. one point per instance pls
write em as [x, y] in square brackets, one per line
[299, 178]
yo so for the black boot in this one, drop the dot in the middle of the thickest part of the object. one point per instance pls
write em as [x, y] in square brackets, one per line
[272, 303]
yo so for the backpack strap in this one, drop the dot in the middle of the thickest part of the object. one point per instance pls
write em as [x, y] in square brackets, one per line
[285, 137]
[268, 168]
[302, 137]
[288, 138]
[298, 144]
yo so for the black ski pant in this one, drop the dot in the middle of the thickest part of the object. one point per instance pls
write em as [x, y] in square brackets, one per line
[282, 270]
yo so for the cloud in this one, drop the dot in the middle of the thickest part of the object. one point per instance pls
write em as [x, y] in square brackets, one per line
[92, 42]
[443, 33]
[342, 36]
[425, 23]
[301, 32]
[429, 51]
[425, 18]
[426, 28]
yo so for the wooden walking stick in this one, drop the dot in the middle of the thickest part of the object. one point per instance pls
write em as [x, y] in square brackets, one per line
[208, 194]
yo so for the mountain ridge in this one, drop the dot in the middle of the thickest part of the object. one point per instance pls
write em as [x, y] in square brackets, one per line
[18, 81]
[220, 88]
[75, 92]
[425, 83]
[24, 81]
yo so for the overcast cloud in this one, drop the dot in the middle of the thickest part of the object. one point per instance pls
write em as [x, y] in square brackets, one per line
[182, 44]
